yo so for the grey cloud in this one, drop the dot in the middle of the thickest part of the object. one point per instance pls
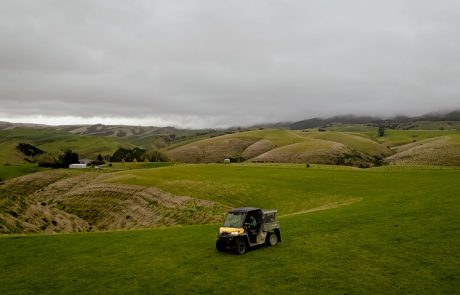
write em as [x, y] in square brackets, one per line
[227, 62]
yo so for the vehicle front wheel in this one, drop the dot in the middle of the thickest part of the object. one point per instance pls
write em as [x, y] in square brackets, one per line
[272, 239]
[240, 247]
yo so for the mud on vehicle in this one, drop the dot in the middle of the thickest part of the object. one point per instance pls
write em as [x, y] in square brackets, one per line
[248, 227]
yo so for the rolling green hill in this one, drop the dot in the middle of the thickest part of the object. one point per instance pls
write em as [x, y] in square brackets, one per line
[310, 150]
[354, 141]
[54, 142]
[356, 145]
[394, 138]
[143, 136]
[355, 148]
[236, 145]
[268, 145]
[390, 230]
[91, 140]
[441, 150]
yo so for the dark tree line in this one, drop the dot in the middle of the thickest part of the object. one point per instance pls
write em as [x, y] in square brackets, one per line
[68, 157]
[63, 161]
[128, 155]
[44, 159]
[29, 150]
[138, 154]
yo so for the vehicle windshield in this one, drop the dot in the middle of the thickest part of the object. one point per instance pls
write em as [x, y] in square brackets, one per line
[234, 219]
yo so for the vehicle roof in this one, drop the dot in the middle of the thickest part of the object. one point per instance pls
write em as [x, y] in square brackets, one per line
[244, 209]
[270, 211]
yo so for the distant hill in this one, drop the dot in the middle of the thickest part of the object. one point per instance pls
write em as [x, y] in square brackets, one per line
[341, 140]
[318, 122]
[90, 140]
[142, 136]
[54, 142]
[281, 145]
[357, 148]
[398, 122]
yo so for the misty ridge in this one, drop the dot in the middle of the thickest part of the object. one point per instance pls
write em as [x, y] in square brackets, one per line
[388, 122]
[316, 122]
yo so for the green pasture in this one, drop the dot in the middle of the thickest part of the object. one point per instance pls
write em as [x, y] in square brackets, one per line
[9, 154]
[417, 125]
[12, 171]
[279, 137]
[287, 187]
[85, 146]
[189, 138]
[118, 166]
[361, 128]
[355, 141]
[437, 125]
[37, 136]
[399, 137]
[392, 231]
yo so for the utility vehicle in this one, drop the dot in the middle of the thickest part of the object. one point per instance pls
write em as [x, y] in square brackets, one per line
[248, 227]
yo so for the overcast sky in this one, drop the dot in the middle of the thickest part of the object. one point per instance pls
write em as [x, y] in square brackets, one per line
[225, 63]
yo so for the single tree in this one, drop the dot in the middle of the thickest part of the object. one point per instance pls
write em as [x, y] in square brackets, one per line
[381, 131]
[68, 157]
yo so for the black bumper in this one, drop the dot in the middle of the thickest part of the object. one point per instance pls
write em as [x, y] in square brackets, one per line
[227, 242]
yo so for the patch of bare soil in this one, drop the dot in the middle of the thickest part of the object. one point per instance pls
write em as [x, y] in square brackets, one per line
[55, 203]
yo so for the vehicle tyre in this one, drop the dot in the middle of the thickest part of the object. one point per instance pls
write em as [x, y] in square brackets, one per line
[220, 245]
[272, 239]
[240, 247]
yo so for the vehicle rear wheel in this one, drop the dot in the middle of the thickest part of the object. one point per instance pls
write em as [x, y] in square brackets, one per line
[240, 247]
[272, 239]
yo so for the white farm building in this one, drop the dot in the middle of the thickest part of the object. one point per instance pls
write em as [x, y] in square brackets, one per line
[77, 166]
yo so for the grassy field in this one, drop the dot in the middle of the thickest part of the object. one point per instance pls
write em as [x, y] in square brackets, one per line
[287, 187]
[387, 230]
[12, 171]
[354, 140]
[399, 137]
